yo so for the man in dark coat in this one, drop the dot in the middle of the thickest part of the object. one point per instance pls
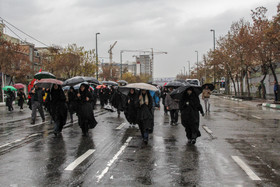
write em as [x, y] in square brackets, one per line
[37, 94]
[10, 99]
[58, 108]
[85, 110]
[190, 107]
[72, 102]
[21, 98]
[145, 114]
[172, 105]
[131, 109]
[276, 88]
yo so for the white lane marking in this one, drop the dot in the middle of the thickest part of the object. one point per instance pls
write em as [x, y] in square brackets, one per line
[246, 168]
[207, 129]
[79, 160]
[258, 117]
[19, 140]
[121, 126]
[110, 163]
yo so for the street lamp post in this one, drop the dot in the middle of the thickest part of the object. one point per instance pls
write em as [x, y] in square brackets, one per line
[214, 42]
[189, 68]
[197, 62]
[96, 55]
[184, 70]
[121, 62]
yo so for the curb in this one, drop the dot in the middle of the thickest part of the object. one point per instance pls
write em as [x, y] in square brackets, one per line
[233, 99]
[271, 105]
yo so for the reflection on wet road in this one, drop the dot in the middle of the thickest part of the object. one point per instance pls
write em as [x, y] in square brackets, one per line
[238, 140]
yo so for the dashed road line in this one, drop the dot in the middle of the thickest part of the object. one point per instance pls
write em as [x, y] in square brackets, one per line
[121, 126]
[246, 168]
[79, 160]
[209, 131]
[110, 163]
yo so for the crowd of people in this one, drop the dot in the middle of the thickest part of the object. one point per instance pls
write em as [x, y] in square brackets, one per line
[137, 105]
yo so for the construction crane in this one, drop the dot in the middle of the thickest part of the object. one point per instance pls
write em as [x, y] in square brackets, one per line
[152, 53]
[110, 52]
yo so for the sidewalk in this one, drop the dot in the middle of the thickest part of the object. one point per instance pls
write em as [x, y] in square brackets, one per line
[256, 102]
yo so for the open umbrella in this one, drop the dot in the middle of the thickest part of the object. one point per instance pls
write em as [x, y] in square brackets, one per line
[100, 86]
[91, 80]
[142, 86]
[9, 87]
[174, 84]
[19, 86]
[210, 86]
[110, 83]
[122, 82]
[47, 83]
[79, 79]
[178, 93]
[44, 75]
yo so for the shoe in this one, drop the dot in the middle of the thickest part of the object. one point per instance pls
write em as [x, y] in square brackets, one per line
[43, 120]
[32, 122]
[176, 123]
[146, 137]
[55, 133]
[71, 121]
[171, 123]
[193, 141]
[189, 141]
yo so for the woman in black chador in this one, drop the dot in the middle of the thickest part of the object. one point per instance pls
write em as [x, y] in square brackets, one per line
[72, 102]
[85, 110]
[10, 99]
[131, 109]
[145, 114]
[190, 107]
[21, 98]
[58, 108]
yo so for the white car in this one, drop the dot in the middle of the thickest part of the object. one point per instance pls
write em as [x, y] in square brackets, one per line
[193, 81]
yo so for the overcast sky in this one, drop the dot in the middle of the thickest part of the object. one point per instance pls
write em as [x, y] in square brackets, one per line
[179, 27]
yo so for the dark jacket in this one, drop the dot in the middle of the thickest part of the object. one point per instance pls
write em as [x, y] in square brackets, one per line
[10, 98]
[172, 104]
[118, 100]
[144, 112]
[21, 97]
[72, 100]
[37, 96]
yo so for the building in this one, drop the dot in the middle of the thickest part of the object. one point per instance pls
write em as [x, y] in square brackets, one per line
[144, 63]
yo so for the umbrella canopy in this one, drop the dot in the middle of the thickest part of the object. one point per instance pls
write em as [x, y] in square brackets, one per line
[100, 86]
[110, 83]
[66, 88]
[9, 87]
[79, 79]
[210, 86]
[44, 75]
[178, 93]
[142, 86]
[19, 86]
[122, 82]
[47, 83]
[174, 84]
[77, 87]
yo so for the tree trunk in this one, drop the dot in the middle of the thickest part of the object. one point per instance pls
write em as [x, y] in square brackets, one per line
[247, 82]
[238, 85]
[234, 86]
[263, 87]
[275, 77]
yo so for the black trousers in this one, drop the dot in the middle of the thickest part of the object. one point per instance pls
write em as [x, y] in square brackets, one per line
[174, 116]
[276, 96]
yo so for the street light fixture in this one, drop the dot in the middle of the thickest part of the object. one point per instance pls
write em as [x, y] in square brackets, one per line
[121, 62]
[96, 55]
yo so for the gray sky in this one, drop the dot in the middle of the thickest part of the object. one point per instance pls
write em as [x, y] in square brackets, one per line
[178, 27]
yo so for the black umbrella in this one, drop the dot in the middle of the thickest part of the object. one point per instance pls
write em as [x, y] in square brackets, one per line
[210, 86]
[174, 84]
[178, 93]
[92, 80]
[110, 83]
[122, 82]
[73, 81]
[44, 75]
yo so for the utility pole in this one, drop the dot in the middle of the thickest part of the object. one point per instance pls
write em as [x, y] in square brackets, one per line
[214, 48]
[110, 52]
[121, 62]
[96, 55]
[189, 69]
[197, 63]
[152, 65]
[184, 70]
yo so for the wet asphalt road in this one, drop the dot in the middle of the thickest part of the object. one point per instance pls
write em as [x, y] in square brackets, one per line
[241, 148]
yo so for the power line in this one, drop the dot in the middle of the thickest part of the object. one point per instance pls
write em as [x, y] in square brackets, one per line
[24, 32]
[14, 33]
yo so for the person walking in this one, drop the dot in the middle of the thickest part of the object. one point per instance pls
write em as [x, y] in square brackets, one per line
[172, 105]
[144, 114]
[131, 109]
[118, 101]
[84, 110]
[10, 99]
[58, 108]
[206, 97]
[163, 96]
[37, 94]
[72, 102]
[276, 88]
[190, 107]
[21, 98]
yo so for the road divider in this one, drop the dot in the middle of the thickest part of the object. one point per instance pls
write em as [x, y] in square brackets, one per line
[79, 160]
[116, 156]
[246, 168]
